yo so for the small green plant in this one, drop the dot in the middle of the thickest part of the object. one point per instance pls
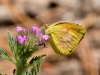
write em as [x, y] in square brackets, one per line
[23, 46]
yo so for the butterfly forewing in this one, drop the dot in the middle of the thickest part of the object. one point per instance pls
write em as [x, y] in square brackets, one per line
[65, 36]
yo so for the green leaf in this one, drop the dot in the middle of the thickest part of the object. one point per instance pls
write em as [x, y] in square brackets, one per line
[11, 43]
[36, 59]
[5, 55]
[0, 74]
[34, 69]
[13, 46]
[35, 64]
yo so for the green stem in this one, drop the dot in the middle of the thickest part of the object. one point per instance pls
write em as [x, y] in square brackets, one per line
[20, 67]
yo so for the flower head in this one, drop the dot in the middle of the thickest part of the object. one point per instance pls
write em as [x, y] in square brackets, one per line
[28, 34]
[30, 40]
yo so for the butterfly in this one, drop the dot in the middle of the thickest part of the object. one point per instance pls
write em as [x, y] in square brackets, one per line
[65, 36]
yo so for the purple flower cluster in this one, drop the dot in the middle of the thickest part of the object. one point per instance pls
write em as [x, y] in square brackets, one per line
[21, 39]
[36, 30]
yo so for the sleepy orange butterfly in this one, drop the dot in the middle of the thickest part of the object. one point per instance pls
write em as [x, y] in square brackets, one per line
[65, 36]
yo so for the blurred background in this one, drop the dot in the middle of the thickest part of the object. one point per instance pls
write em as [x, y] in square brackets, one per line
[85, 60]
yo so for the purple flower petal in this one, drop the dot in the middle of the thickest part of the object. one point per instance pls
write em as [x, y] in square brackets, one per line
[41, 35]
[41, 43]
[21, 39]
[18, 38]
[35, 29]
[25, 37]
[18, 28]
[46, 37]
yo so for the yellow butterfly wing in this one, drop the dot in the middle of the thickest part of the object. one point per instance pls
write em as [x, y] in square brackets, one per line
[65, 36]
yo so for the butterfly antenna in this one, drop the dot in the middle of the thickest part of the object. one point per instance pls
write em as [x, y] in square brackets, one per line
[46, 25]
